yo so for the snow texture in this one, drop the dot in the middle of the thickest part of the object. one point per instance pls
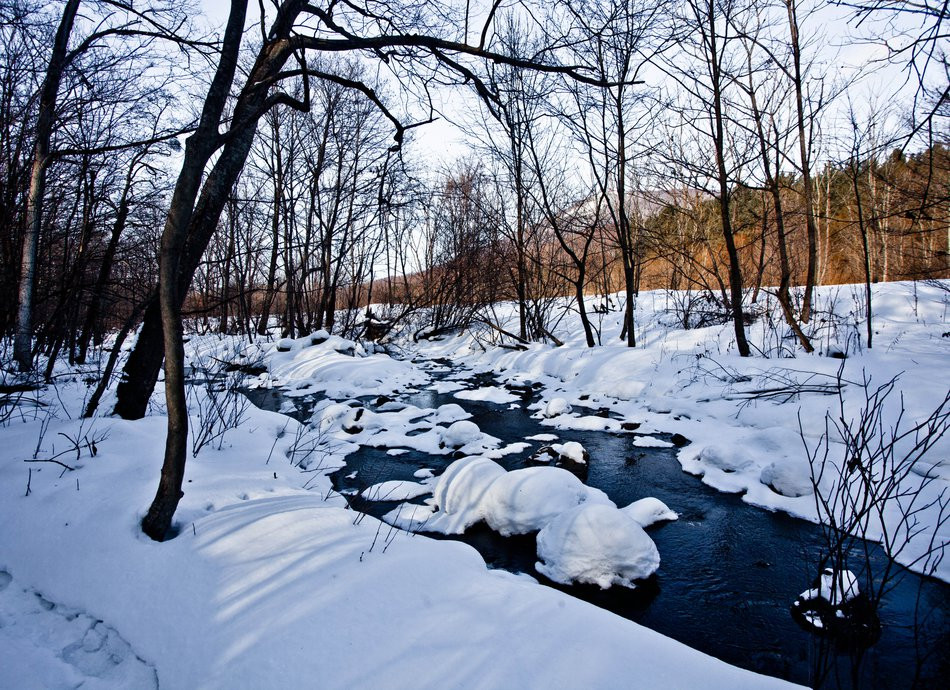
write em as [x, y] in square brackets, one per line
[598, 544]
[648, 511]
[526, 500]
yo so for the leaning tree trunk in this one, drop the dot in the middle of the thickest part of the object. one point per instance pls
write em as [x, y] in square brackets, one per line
[198, 150]
[22, 344]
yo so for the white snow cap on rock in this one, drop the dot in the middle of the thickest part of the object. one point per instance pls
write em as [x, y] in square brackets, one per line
[597, 544]
[450, 412]
[572, 450]
[526, 500]
[459, 493]
[835, 587]
[648, 511]
[555, 407]
[461, 433]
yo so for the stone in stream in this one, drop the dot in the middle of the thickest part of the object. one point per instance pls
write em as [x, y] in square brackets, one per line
[835, 606]
[679, 440]
[555, 407]
[351, 423]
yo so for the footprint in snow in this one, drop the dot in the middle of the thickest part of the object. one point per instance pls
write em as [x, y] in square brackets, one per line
[49, 645]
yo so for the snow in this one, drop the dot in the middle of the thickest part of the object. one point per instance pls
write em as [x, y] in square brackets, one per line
[648, 511]
[526, 500]
[492, 394]
[450, 412]
[596, 544]
[335, 367]
[461, 434]
[273, 581]
[446, 386]
[270, 584]
[572, 450]
[396, 490]
[459, 493]
[555, 407]
[745, 440]
[834, 587]
[48, 645]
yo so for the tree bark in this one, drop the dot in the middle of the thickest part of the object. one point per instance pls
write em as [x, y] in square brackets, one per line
[198, 150]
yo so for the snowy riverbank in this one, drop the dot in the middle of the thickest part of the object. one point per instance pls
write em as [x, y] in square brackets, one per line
[749, 420]
[273, 585]
[274, 582]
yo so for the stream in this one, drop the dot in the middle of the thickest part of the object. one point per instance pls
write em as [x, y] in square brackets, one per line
[729, 571]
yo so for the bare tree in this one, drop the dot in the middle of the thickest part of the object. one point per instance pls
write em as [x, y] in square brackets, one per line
[705, 80]
[192, 219]
[120, 31]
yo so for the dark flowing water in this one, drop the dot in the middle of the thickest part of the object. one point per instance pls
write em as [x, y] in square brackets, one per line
[728, 571]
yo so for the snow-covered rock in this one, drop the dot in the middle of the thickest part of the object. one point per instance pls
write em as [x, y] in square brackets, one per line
[526, 500]
[597, 544]
[492, 394]
[725, 457]
[571, 451]
[648, 511]
[351, 420]
[457, 496]
[395, 490]
[834, 606]
[555, 407]
[461, 433]
[326, 416]
[319, 337]
[834, 587]
[450, 412]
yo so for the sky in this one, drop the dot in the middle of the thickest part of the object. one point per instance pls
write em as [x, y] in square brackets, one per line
[440, 143]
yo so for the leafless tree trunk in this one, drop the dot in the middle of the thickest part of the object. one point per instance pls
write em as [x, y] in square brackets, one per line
[23, 345]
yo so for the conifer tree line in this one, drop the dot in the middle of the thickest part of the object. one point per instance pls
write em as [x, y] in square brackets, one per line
[709, 145]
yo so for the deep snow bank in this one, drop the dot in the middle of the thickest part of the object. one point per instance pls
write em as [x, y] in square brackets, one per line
[270, 584]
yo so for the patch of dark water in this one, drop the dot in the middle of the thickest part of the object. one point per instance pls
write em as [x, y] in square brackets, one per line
[729, 571]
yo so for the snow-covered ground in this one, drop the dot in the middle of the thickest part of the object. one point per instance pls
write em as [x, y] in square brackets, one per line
[270, 584]
[274, 582]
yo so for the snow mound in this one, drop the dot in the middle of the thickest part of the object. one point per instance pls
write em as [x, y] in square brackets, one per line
[460, 434]
[572, 450]
[791, 477]
[555, 407]
[648, 511]
[492, 394]
[450, 412]
[526, 500]
[326, 417]
[459, 494]
[395, 490]
[339, 367]
[597, 544]
[725, 457]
